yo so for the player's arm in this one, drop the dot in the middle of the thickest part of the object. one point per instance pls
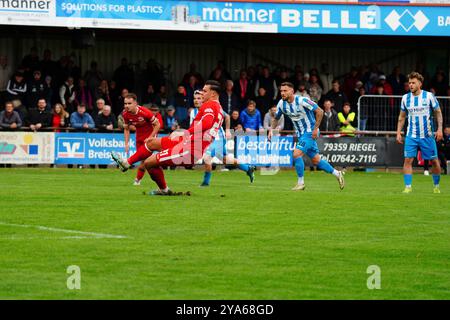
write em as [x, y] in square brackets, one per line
[400, 124]
[274, 122]
[156, 126]
[438, 115]
[227, 125]
[126, 134]
[318, 112]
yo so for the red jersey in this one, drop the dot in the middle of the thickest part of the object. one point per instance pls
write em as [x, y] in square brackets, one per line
[142, 120]
[207, 123]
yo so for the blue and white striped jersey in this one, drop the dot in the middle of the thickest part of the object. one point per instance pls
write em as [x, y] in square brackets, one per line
[419, 110]
[301, 112]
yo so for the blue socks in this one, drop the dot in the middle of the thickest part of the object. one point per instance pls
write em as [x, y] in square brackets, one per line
[243, 167]
[408, 179]
[299, 167]
[325, 166]
[207, 177]
[436, 179]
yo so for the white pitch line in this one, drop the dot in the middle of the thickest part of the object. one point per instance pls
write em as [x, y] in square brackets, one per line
[93, 234]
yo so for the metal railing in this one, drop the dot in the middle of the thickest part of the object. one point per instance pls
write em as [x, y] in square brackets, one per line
[380, 112]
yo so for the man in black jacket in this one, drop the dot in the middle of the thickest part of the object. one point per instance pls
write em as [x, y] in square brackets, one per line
[106, 121]
[39, 117]
[330, 121]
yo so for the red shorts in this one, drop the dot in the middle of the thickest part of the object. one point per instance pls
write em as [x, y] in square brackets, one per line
[180, 153]
[139, 143]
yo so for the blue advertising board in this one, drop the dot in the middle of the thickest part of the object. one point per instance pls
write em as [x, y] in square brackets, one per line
[259, 151]
[90, 148]
[355, 19]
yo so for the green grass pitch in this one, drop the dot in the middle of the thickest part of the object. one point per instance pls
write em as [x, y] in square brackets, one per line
[232, 240]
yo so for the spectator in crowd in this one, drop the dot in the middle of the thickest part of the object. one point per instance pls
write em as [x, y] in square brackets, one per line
[17, 88]
[5, 75]
[251, 118]
[35, 90]
[326, 77]
[181, 103]
[49, 90]
[350, 81]
[106, 121]
[241, 88]
[347, 120]
[120, 102]
[10, 119]
[99, 105]
[150, 96]
[93, 78]
[83, 95]
[268, 83]
[263, 101]
[298, 78]
[124, 76]
[269, 116]
[22, 110]
[81, 120]
[217, 75]
[192, 72]
[48, 66]
[67, 95]
[170, 121]
[396, 79]
[371, 77]
[190, 89]
[103, 92]
[235, 122]
[114, 94]
[228, 98]
[30, 63]
[315, 90]
[301, 91]
[252, 78]
[60, 118]
[224, 74]
[164, 98]
[355, 94]
[439, 84]
[386, 86]
[153, 74]
[306, 81]
[155, 110]
[283, 77]
[330, 121]
[336, 96]
[39, 117]
[444, 149]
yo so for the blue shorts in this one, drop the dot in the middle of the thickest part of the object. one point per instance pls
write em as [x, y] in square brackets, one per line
[217, 149]
[426, 145]
[307, 145]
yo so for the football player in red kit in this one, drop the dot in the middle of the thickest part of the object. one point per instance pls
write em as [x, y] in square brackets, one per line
[147, 127]
[183, 148]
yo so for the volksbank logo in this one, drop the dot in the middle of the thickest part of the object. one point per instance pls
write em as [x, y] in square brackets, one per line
[71, 148]
[407, 20]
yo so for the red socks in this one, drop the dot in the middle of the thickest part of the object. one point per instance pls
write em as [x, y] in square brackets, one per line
[157, 175]
[140, 173]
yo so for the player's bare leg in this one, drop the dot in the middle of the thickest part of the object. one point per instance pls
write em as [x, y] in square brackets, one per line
[436, 171]
[407, 174]
[328, 168]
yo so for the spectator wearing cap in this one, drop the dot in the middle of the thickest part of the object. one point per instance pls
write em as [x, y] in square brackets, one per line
[382, 82]
[170, 121]
[251, 118]
[10, 119]
[39, 117]
[17, 88]
[355, 94]
[35, 90]
[81, 120]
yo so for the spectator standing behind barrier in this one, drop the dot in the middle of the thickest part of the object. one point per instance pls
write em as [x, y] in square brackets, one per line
[181, 103]
[326, 77]
[83, 95]
[269, 116]
[251, 118]
[124, 76]
[81, 120]
[170, 121]
[5, 75]
[228, 98]
[106, 121]
[336, 96]
[103, 92]
[36, 90]
[235, 122]
[330, 121]
[267, 82]
[17, 88]
[67, 95]
[241, 88]
[301, 91]
[444, 149]
[396, 79]
[39, 117]
[60, 118]
[347, 120]
[315, 90]
[263, 101]
[10, 119]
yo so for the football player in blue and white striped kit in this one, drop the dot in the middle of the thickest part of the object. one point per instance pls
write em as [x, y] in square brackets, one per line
[218, 147]
[420, 106]
[306, 116]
